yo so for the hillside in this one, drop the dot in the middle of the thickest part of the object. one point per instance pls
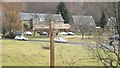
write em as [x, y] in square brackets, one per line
[75, 8]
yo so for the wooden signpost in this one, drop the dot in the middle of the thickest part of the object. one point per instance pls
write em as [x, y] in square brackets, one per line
[47, 26]
[51, 45]
[51, 26]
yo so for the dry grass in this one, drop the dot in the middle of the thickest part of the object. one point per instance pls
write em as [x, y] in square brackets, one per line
[25, 53]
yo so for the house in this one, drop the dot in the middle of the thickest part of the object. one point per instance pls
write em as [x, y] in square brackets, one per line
[38, 18]
[86, 21]
[111, 23]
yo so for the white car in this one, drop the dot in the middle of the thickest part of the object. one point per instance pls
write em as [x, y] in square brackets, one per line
[21, 38]
[28, 33]
[43, 33]
[62, 33]
[0, 37]
[70, 33]
[60, 40]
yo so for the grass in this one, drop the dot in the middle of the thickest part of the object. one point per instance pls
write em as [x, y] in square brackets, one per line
[25, 53]
[0, 53]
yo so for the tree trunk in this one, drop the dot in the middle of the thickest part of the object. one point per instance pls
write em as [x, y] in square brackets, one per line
[3, 32]
[3, 35]
[34, 33]
[82, 36]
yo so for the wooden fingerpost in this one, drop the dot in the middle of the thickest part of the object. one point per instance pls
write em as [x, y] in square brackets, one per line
[51, 45]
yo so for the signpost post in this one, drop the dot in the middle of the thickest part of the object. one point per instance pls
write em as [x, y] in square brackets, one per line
[51, 45]
[51, 26]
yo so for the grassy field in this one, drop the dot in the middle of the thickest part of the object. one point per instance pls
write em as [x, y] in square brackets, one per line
[78, 39]
[0, 53]
[26, 53]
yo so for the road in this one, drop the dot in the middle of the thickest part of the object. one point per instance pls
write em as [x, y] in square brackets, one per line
[72, 43]
[81, 44]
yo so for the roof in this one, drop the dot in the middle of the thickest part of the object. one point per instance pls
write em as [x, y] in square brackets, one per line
[0, 16]
[42, 17]
[25, 16]
[83, 20]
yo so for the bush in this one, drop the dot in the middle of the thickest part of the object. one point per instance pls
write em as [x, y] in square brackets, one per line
[46, 47]
[26, 26]
[10, 36]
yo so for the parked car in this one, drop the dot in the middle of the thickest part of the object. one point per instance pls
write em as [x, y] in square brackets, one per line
[28, 33]
[60, 40]
[19, 37]
[70, 33]
[0, 37]
[18, 33]
[114, 37]
[43, 33]
[62, 33]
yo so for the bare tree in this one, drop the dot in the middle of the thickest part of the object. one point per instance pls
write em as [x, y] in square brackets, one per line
[11, 17]
[50, 17]
[65, 59]
[83, 29]
[108, 53]
[85, 24]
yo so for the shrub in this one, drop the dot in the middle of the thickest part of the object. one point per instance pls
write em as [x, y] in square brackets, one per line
[46, 47]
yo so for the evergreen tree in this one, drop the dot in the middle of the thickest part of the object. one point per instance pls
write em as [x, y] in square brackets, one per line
[103, 21]
[31, 23]
[63, 11]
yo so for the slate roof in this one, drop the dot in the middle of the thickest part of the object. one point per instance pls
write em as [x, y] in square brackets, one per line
[0, 15]
[25, 16]
[42, 17]
[84, 20]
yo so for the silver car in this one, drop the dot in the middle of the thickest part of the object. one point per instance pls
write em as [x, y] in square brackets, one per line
[21, 38]
[62, 33]
[60, 40]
